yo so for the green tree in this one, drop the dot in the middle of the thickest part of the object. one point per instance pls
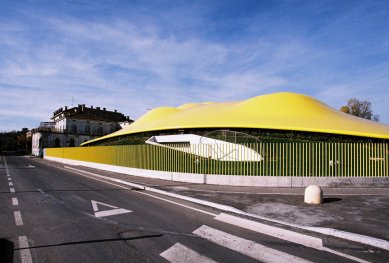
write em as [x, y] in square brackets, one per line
[360, 109]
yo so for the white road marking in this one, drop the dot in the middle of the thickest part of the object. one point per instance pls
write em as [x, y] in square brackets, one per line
[8, 175]
[283, 234]
[10, 183]
[15, 201]
[277, 232]
[344, 255]
[9, 179]
[244, 246]
[143, 193]
[114, 211]
[162, 192]
[123, 187]
[371, 241]
[18, 218]
[78, 172]
[176, 203]
[179, 253]
[25, 253]
[12, 190]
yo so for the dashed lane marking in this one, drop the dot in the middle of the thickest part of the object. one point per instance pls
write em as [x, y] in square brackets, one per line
[10, 183]
[18, 218]
[9, 179]
[180, 253]
[25, 253]
[12, 190]
[245, 247]
[15, 201]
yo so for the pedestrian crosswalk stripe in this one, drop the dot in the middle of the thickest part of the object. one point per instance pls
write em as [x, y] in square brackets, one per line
[283, 234]
[277, 232]
[180, 253]
[246, 247]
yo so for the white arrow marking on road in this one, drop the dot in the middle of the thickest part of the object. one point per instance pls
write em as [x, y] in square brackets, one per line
[114, 211]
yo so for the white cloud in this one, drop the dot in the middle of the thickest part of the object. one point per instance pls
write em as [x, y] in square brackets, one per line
[133, 65]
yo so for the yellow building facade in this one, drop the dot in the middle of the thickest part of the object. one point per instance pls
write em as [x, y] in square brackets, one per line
[284, 111]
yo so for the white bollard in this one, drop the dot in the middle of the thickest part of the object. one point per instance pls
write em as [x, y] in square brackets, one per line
[313, 195]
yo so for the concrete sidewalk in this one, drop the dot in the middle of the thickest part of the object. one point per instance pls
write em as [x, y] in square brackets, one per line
[362, 211]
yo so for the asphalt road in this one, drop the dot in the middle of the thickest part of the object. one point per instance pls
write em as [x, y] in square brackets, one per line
[48, 214]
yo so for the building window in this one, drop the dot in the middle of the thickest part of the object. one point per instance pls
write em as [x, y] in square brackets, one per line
[71, 142]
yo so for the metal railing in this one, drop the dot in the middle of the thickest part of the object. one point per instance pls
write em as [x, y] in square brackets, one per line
[275, 159]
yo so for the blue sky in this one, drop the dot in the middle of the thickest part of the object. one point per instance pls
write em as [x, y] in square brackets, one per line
[136, 55]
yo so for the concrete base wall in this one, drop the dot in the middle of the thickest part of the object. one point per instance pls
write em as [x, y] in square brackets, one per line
[237, 180]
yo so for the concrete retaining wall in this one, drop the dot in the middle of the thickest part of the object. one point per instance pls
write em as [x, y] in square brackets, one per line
[264, 181]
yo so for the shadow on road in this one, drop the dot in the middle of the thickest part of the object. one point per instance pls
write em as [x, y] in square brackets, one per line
[6, 250]
[93, 241]
[331, 199]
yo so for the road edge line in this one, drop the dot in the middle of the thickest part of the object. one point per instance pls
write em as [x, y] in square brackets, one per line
[367, 240]
[162, 192]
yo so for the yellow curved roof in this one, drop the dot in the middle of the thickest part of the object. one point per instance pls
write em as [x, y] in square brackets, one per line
[281, 111]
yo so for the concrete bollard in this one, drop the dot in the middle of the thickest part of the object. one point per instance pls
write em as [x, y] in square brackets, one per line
[313, 195]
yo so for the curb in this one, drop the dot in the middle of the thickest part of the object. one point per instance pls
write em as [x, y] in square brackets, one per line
[367, 240]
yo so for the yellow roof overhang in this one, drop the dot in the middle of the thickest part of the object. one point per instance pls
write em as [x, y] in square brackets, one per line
[280, 111]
